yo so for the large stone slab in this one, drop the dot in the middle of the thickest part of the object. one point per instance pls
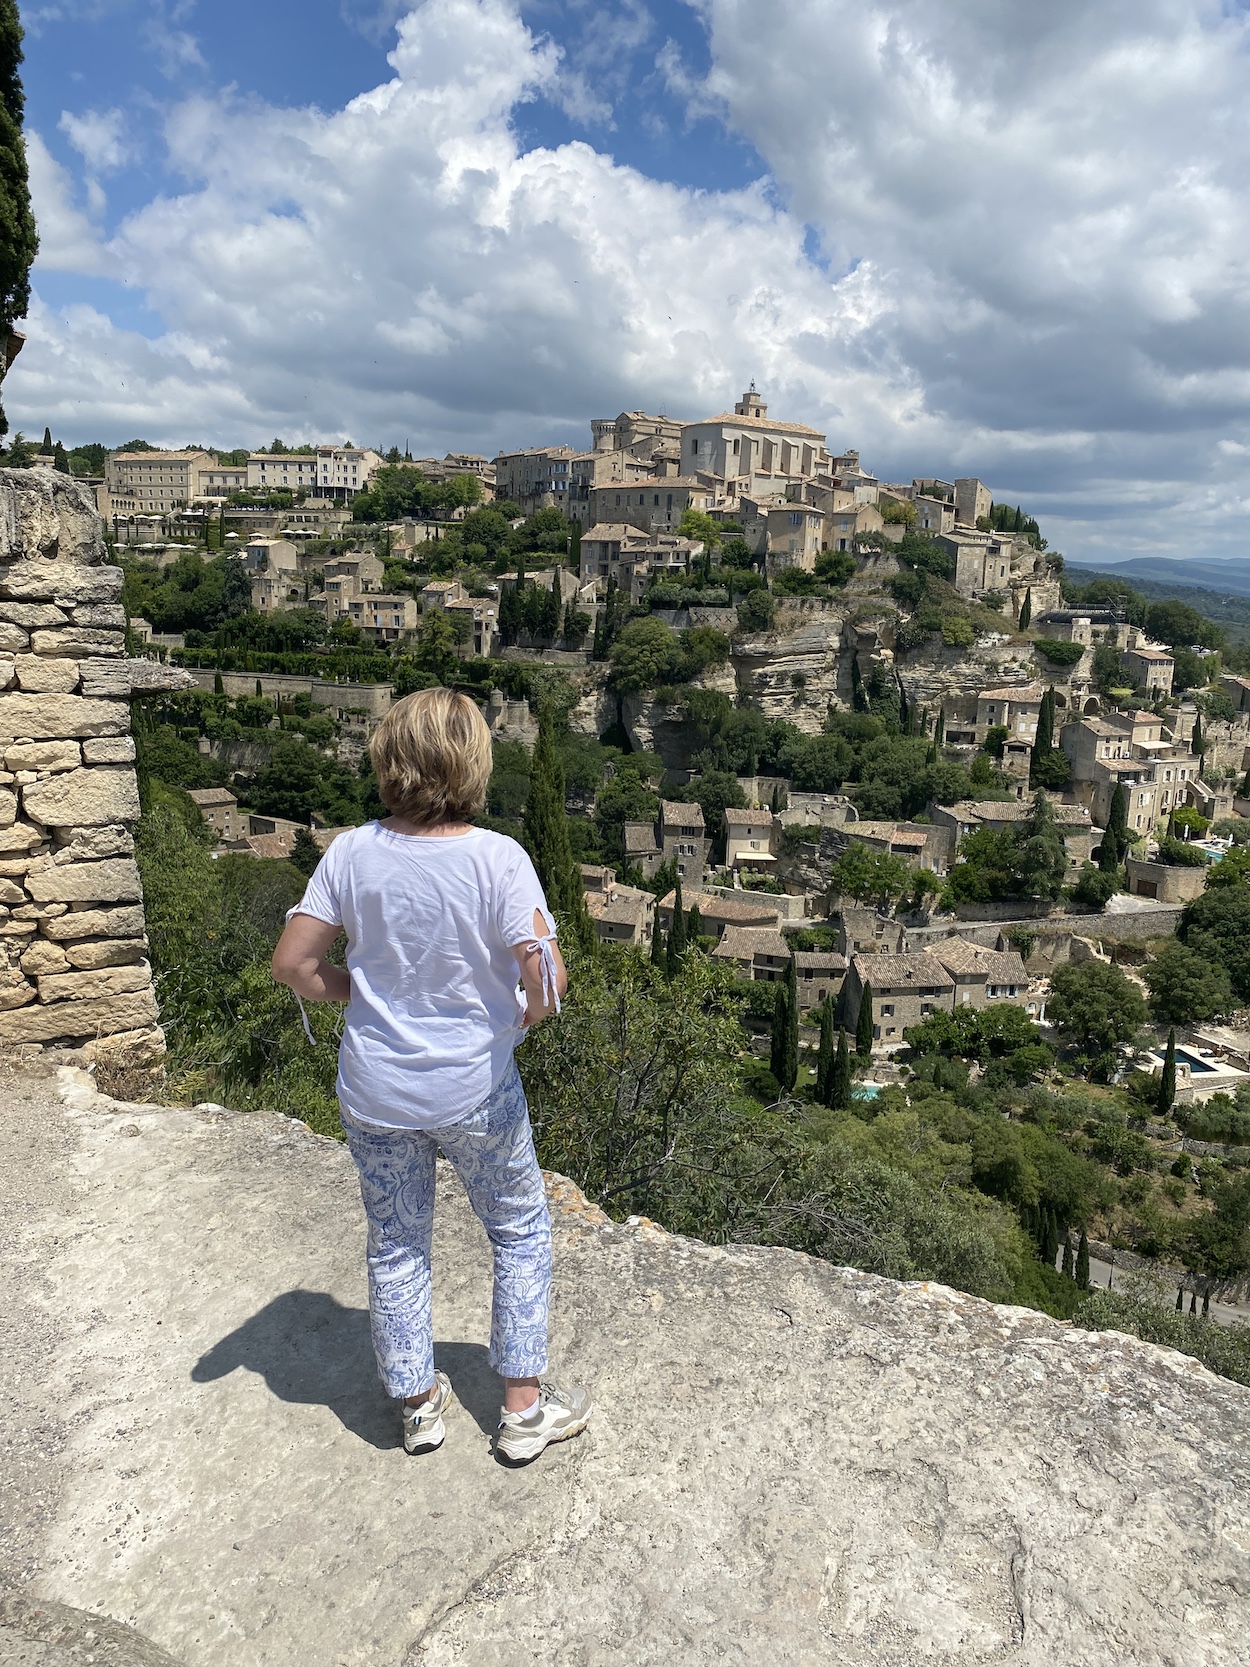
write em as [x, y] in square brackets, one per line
[112, 881]
[85, 798]
[73, 1020]
[39, 675]
[87, 984]
[94, 923]
[833, 1470]
[49, 518]
[58, 582]
[60, 717]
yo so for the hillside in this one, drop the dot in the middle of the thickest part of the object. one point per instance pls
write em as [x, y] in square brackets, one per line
[1228, 605]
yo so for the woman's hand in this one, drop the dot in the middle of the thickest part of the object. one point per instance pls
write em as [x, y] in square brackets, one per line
[300, 961]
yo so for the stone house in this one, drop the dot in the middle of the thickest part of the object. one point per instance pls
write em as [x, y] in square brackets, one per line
[1013, 709]
[536, 477]
[843, 526]
[981, 975]
[759, 953]
[751, 838]
[678, 837]
[718, 912]
[865, 932]
[972, 501]
[633, 558]
[383, 618]
[1238, 691]
[818, 973]
[1080, 834]
[796, 536]
[220, 809]
[751, 452]
[619, 913]
[653, 505]
[906, 990]
[1165, 882]
[919, 844]
[1150, 669]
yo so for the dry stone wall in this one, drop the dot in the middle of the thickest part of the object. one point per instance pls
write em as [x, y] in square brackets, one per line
[73, 954]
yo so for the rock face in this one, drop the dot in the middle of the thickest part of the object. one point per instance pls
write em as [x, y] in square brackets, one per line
[789, 1463]
[67, 788]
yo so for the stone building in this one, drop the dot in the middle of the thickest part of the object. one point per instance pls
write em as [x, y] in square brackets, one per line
[1151, 670]
[906, 990]
[751, 838]
[982, 976]
[73, 962]
[220, 809]
[678, 838]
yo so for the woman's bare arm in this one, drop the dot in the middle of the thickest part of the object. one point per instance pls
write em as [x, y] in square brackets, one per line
[300, 961]
[537, 1006]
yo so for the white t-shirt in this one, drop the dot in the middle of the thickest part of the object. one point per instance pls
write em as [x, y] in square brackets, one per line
[435, 1011]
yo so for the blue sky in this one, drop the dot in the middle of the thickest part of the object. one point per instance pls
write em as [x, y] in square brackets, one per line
[970, 238]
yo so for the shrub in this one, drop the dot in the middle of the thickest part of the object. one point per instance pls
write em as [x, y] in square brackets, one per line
[1177, 854]
[1057, 652]
[1221, 1349]
[1094, 888]
[755, 612]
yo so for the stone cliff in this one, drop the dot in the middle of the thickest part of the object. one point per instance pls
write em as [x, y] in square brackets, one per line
[790, 1463]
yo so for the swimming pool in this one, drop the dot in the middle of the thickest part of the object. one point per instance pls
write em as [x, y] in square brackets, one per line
[867, 1090]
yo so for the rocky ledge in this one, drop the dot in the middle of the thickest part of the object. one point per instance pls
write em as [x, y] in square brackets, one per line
[790, 1462]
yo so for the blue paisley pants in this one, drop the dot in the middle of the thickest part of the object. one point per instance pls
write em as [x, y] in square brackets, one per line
[492, 1151]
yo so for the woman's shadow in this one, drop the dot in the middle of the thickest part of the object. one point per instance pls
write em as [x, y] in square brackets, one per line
[312, 1351]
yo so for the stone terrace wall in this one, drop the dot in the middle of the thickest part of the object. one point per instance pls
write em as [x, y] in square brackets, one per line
[73, 954]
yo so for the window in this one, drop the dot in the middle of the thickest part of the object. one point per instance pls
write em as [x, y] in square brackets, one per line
[796, 520]
[887, 1012]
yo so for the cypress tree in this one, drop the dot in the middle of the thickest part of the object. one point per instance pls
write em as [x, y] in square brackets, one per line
[259, 691]
[863, 1025]
[694, 925]
[1117, 819]
[790, 1045]
[824, 1058]
[1050, 1242]
[219, 687]
[1069, 1267]
[1206, 1305]
[1180, 1299]
[1167, 1083]
[1026, 611]
[547, 835]
[1044, 742]
[61, 458]
[1082, 1261]
[840, 1095]
[859, 697]
[677, 934]
[45, 449]
[18, 238]
[1193, 1305]
[658, 957]
[777, 1038]
[939, 732]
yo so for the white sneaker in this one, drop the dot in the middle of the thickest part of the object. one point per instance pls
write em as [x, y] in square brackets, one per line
[423, 1425]
[556, 1415]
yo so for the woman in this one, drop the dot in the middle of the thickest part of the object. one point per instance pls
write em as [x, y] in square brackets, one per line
[441, 919]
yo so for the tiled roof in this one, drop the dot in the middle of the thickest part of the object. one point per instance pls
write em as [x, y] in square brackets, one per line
[1022, 692]
[894, 972]
[209, 796]
[821, 960]
[639, 838]
[679, 815]
[998, 966]
[749, 818]
[736, 420]
[742, 943]
[728, 909]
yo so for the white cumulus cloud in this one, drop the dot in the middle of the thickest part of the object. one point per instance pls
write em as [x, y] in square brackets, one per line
[1031, 226]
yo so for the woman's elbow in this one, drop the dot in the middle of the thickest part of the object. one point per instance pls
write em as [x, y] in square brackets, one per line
[284, 967]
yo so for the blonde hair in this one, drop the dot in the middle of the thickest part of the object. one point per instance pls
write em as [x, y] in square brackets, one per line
[432, 757]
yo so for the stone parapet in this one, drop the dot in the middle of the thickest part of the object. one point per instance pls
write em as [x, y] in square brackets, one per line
[73, 961]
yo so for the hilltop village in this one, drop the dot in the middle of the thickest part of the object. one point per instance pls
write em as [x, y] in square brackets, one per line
[909, 829]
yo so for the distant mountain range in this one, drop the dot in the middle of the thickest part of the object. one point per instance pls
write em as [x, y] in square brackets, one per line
[1228, 576]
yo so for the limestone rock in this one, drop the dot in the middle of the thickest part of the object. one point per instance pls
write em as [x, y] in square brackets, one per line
[39, 675]
[70, 1020]
[14, 990]
[90, 844]
[110, 615]
[44, 755]
[103, 981]
[59, 582]
[13, 640]
[79, 643]
[127, 677]
[98, 952]
[94, 923]
[128, 1049]
[84, 798]
[109, 749]
[33, 614]
[8, 807]
[19, 836]
[834, 1470]
[46, 517]
[57, 717]
[115, 881]
[10, 893]
[43, 957]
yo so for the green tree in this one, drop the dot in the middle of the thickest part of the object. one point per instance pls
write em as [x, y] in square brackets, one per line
[1167, 1082]
[694, 524]
[1115, 839]
[1186, 987]
[868, 875]
[1041, 858]
[1096, 1009]
[1217, 927]
[824, 1057]
[645, 655]
[694, 926]
[19, 240]
[658, 957]
[1082, 1262]
[546, 827]
[305, 852]
[839, 1095]
[939, 730]
[1026, 611]
[785, 1042]
[863, 1025]
[676, 932]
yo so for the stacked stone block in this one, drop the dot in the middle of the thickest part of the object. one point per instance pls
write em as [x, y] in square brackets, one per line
[73, 954]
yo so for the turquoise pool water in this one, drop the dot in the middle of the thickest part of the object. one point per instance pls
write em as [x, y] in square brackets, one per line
[867, 1091]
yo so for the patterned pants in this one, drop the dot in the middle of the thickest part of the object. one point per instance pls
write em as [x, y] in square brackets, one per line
[492, 1151]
